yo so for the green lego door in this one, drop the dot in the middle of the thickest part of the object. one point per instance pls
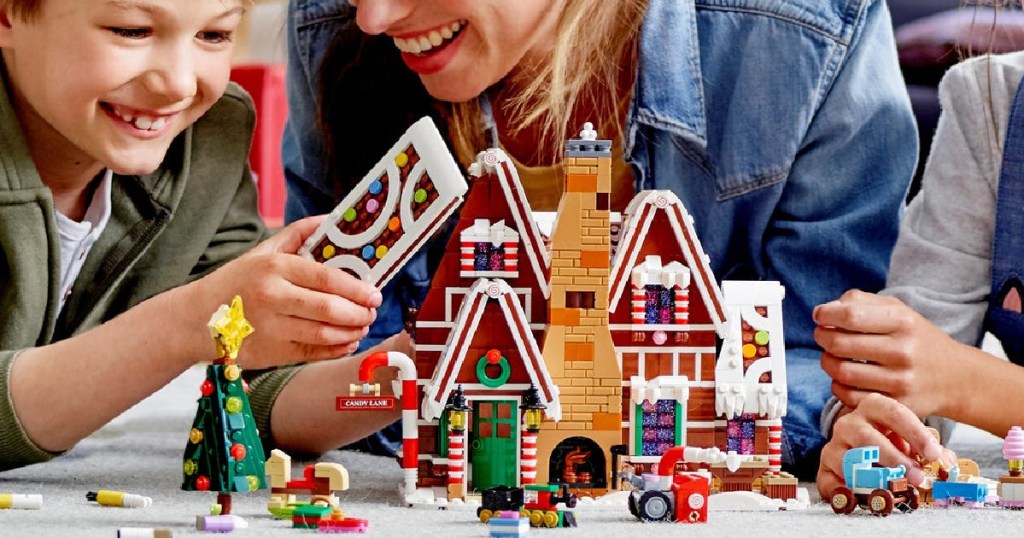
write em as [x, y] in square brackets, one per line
[494, 444]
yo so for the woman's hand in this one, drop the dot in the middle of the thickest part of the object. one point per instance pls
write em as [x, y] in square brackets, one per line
[874, 343]
[883, 422]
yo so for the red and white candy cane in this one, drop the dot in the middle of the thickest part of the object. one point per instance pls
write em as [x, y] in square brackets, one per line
[410, 432]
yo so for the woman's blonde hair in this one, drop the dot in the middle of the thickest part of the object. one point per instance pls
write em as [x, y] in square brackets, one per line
[596, 40]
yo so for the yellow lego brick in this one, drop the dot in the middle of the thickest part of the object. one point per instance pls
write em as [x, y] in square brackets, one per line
[573, 392]
[565, 316]
[584, 161]
[595, 259]
[581, 183]
[615, 403]
[578, 351]
[565, 235]
[607, 421]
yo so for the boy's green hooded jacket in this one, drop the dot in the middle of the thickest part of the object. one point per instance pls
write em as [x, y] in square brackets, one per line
[193, 214]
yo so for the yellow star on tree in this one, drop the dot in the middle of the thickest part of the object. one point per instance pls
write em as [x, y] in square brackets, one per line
[228, 327]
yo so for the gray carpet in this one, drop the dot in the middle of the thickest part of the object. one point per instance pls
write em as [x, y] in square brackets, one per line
[140, 452]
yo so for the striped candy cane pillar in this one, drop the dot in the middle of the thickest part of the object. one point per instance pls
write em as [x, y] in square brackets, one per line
[682, 305]
[410, 432]
[466, 251]
[456, 459]
[775, 446]
[528, 461]
[639, 305]
[512, 255]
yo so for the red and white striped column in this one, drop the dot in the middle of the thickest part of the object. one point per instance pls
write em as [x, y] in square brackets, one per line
[775, 446]
[682, 306]
[456, 460]
[466, 251]
[639, 301]
[528, 460]
[410, 430]
[512, 255]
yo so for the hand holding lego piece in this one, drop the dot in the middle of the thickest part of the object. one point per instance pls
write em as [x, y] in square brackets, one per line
[894, 428]
[398, 205]
[875, 343]
[305, 311]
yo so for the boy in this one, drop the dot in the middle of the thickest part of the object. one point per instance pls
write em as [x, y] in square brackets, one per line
[124, 196]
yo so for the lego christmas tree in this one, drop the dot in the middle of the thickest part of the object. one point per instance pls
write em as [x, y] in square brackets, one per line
[224, 452]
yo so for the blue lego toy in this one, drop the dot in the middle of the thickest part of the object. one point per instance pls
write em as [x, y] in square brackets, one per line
[873, 487]
[509, 524]
[948, 490]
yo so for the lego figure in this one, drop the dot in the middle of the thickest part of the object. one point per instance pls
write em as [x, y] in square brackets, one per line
[774, 195]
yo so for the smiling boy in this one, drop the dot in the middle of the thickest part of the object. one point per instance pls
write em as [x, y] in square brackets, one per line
[125, 199]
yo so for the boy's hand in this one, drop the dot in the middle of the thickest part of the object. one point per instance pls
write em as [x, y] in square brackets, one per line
[880, 421]
[302, 310]
[874, 343]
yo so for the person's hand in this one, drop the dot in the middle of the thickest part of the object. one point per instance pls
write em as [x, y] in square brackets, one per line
[301, 310]
[874, 343]
[897, 432]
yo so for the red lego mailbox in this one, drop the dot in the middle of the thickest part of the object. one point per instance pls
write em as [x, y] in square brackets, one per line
[691, 497]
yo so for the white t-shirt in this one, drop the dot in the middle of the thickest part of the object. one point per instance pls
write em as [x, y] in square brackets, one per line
[76, 238]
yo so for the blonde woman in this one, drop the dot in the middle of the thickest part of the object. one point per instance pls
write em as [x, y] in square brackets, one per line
[784, 127]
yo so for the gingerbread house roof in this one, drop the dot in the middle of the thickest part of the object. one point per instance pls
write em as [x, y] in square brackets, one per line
[497, 162]
[640, 213]
[440, 386]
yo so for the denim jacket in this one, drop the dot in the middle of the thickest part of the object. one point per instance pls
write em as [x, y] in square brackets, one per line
[783, 125]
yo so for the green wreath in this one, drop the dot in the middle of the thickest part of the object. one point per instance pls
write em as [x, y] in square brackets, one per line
[493, 357]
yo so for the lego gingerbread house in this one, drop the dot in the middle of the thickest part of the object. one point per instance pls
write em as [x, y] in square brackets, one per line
[625, 354]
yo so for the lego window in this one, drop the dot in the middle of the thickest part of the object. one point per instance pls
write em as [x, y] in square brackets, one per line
[489, 248]
[488, 256]
[740, 434]
[660, 293]
[659, 305]
[579, 299]
[658, 429]
[755, 345]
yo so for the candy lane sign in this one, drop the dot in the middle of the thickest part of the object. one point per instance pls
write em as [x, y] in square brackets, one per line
[365, 403]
